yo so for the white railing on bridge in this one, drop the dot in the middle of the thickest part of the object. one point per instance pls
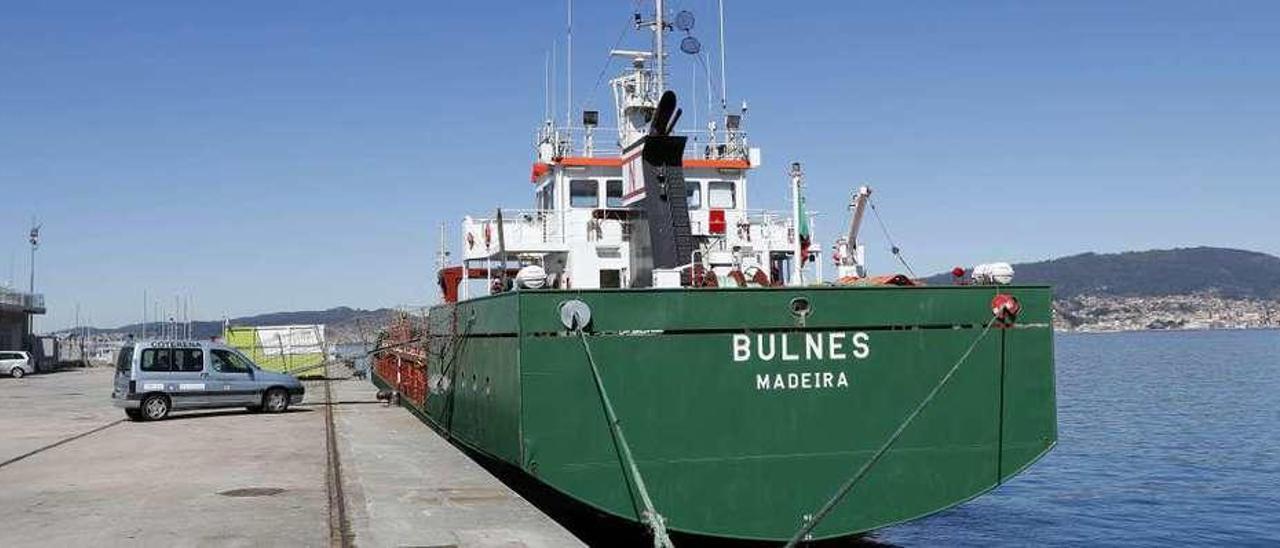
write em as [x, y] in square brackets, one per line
[523, 231]
[705, 144]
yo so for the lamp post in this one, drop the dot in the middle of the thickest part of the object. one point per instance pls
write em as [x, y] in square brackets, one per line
[31, 290]
[35, 243]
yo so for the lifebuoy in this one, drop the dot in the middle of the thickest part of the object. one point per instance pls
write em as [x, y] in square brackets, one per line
[1005, 308]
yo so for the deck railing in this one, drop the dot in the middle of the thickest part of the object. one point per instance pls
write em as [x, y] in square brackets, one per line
[702, 143]
[522, 230]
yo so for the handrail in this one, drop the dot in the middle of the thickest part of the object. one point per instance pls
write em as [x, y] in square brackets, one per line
[572, 140]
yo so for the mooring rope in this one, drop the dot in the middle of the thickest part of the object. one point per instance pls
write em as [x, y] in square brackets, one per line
[651, 517]
[844, 489]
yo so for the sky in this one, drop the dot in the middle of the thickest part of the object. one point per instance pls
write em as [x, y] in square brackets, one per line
[265, 156]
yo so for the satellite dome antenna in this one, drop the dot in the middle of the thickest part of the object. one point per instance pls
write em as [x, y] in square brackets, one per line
[690, 45]
[684, 20]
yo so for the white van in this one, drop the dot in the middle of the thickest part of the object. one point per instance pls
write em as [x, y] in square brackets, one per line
[154, 377]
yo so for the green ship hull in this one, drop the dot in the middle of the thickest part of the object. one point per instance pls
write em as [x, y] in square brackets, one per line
[743, 417]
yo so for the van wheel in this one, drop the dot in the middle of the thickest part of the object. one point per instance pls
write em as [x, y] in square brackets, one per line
[133, 414]
[17, 372]
[275, 400]
[155, 407]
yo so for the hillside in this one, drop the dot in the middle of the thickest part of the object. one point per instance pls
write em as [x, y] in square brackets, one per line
[1228, 273]
[342, 324]
[1200, 287]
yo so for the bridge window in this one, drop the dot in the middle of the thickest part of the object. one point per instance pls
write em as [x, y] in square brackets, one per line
[693, 194]
[721, 195]
[613, 193]
[546, 197]
[584, 193]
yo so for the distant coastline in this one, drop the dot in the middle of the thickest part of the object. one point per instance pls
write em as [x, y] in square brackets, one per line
[1203, 311]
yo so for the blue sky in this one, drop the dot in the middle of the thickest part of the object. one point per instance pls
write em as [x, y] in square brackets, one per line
[269, 156]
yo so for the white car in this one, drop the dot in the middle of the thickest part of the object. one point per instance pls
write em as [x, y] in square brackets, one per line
[16, 364]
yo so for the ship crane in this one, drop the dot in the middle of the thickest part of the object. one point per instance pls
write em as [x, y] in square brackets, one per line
[851, 257]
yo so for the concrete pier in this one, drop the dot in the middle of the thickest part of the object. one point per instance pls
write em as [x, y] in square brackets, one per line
[73, 474]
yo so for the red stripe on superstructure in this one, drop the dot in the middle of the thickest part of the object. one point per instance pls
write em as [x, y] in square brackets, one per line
[720, 164]
[580, 161]
[590, 162]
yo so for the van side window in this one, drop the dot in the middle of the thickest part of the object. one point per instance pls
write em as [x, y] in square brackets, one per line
[157, 359]
[228, 362]
[125, 360]
[190, 360]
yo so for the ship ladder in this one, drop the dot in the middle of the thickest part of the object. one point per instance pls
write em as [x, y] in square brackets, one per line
[812, 521]
[650, 516]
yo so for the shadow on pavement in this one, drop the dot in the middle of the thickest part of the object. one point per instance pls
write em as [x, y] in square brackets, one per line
[189, 415]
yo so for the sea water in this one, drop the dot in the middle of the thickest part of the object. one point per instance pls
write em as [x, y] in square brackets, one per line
[1163, 438]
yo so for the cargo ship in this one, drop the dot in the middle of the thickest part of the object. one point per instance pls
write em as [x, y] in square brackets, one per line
[642, 343]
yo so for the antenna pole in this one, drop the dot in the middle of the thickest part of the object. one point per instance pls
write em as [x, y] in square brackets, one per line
[546, 87]
[693, 94]
[797, 180]
[660, 51]
[551, 105]
[724, 87]
[442, 254]
[568, 68]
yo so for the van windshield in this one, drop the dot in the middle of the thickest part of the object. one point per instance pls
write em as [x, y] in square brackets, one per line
[125, 359]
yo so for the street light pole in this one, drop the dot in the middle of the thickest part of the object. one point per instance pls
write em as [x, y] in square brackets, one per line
[35, 243]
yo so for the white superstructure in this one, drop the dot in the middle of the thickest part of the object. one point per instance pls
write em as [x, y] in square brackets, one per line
[586, 192]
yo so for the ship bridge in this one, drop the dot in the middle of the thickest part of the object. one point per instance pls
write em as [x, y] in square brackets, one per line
[592, 224]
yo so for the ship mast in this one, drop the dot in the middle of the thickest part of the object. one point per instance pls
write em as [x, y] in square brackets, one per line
[442, 252]
[797, 265]
[659, 46]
